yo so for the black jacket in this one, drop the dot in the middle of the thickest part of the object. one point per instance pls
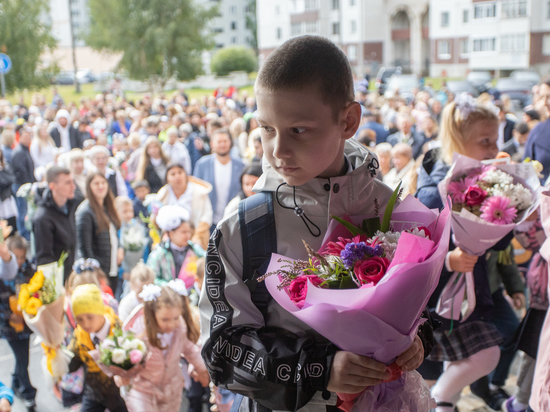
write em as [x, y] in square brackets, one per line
[23, 165]
[7, 179]
[155, 181]
[54, 231]
[74, 138]
[509, 130]
[89, 242]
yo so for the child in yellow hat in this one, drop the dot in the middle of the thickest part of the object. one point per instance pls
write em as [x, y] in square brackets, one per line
[95, 322]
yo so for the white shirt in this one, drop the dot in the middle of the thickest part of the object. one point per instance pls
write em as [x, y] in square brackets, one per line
[178, 154]
[103, 332]
[222, 181]
[64, 138]
[185, 200]
[120, 183]
[43, 154]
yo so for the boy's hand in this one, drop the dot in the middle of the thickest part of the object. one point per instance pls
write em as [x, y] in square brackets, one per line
[413, 357]
[519, 300]
[5, 253]
[119, 381]
[352, 373]
[5, 405]
[461, 261]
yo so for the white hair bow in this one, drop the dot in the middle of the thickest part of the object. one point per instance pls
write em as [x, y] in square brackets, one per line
[150, 292]
[178, 286]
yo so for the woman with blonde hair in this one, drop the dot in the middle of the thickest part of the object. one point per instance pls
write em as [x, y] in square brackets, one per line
[7, 139]
[43, 149]
[152, 164]
[121, 125]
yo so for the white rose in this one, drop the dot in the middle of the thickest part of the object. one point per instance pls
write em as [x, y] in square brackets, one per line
[119, 356]
[127, 345]
[140, 345]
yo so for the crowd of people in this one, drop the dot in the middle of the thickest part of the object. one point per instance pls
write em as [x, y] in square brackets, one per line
[133, 190]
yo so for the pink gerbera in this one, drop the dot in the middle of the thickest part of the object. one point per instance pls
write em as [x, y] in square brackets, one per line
[457, 189]
[497, 210]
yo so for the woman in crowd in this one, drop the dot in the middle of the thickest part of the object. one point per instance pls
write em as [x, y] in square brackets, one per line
[121, 125]
[8, 208]
[152, 164]
[43, 150]
[97, 223]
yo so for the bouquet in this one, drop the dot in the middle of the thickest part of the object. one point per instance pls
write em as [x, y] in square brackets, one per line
[489, 200]
[133, 239]
[123, 355]
[365, 291]
[41, 302]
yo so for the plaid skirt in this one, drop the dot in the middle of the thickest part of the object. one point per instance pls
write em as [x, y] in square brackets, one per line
[465, 340]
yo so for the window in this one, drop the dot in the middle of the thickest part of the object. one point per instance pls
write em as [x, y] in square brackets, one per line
[352, 2]
[336, 28]
[233, 40]
[513, 43]
[335, 4]
[485, 45]
[75, 13]
[233, 9]
[512, 9]
[445, 19]
[443, 49]
[546, 45]
[353, 27]
[279, 34]
[465, 16]
[311, 4]
[218, 30]
[296, 29]
[352, 52]
[485, 10]
[233, 25]
[311, 27]
[464, 46]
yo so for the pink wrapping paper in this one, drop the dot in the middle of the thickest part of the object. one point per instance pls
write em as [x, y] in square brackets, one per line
[381, 321]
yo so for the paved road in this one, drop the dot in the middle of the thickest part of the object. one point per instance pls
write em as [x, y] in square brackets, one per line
[46, 402]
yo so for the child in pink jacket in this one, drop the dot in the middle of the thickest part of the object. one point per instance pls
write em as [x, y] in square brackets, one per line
[164, 323]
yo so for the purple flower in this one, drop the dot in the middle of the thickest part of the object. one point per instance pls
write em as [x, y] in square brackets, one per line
[357, 251]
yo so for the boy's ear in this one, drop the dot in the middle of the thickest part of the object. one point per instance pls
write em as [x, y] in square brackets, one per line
[352, 119]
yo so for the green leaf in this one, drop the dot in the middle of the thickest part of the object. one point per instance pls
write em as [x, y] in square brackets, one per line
[389, 209]
[350, 226]
[346, 282]
[371, 226]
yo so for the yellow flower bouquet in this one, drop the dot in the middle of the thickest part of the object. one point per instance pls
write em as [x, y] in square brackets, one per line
[41, 301]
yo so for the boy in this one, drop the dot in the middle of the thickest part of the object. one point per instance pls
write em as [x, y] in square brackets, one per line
[6, 398]
[403, 163]
[95, 322]
[306, 114]
[14, 272]
[141, 189]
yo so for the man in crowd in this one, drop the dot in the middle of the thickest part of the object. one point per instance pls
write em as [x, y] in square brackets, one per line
[54, 221]
[23, 168]
[64, 135]
[407, 134]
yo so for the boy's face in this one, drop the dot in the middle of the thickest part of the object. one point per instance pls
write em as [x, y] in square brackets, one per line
[91, 323]
[141, 192]
[400, 161]
[300, 137]
[126, 212]
[20, 256]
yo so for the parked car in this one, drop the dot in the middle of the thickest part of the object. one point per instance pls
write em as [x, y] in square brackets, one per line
[382, 77]
[526, 76]
[519, 91]
[462, 86]
[85, 76]
[64, 77]
[404, 84]
[480, 80]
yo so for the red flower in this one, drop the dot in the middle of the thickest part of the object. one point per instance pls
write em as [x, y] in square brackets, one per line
[475, 196]
[371, 270]
[395, 372]
[334, 248]
[297, 290]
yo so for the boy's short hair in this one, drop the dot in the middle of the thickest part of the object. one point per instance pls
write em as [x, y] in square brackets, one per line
[123, 200]
[402, 149]
[522, 128]
[141, 183]
[310, 61]
[16, 242]
[53, 173]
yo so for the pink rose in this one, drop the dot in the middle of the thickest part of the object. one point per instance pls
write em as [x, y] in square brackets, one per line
[298, 288]
[475, 196]
[371, 270]
[135, 356]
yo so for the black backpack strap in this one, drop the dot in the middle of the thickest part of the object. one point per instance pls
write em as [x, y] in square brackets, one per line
[259, 241]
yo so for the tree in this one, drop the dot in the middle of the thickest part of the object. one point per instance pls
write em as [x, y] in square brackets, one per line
[24, 37]
[252, 24]
[159, 40]
[232, 59]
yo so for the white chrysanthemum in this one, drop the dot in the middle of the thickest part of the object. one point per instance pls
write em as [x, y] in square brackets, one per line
[140, 345]
[388, 241]
[418, 232]
[497, 176]
[520, 197]
[119, 356]
[127, 345]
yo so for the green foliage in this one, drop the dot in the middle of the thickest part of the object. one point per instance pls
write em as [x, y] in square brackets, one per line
[24, 37]
[232, 59]
[158, 39]
[252, 24]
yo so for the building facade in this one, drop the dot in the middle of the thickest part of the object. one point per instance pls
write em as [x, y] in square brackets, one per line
[426, 37]
[61, 12]
[230, 27]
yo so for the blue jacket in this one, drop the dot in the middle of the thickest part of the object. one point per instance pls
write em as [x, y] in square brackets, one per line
[538, 147]
[204, 169]
[416, 144]
[381, 132]
[431, 173]
[6, 393]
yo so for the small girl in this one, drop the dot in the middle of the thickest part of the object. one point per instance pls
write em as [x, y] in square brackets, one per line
[140, 276]
[177, 257]
[165, 324]
[471, 351]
